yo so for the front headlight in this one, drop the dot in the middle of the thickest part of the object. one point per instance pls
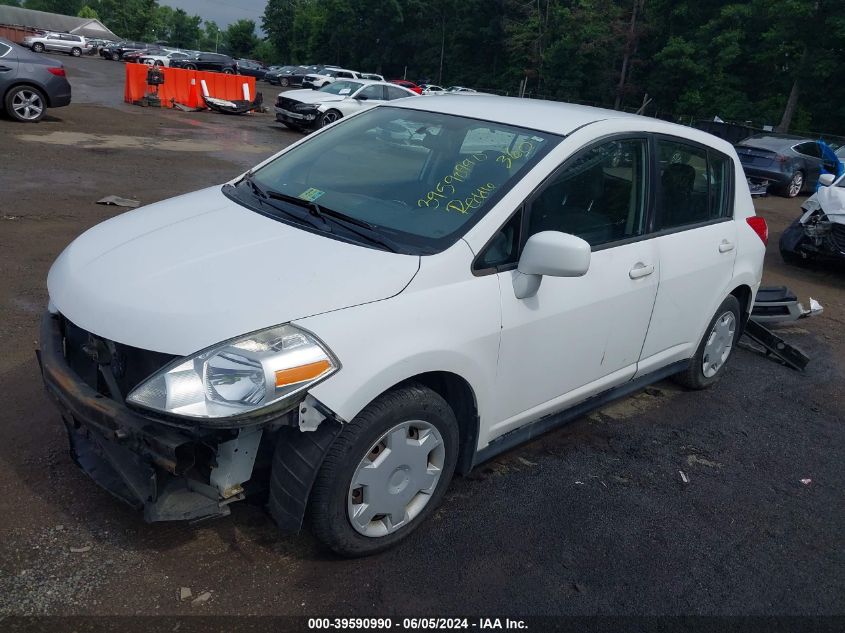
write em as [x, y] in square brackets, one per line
[253, 372]
[304, 107]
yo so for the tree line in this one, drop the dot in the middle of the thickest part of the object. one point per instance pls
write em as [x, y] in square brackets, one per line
[767, 62]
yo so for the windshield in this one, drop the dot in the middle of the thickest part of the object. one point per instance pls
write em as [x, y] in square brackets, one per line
[421, 179]
[341, 87]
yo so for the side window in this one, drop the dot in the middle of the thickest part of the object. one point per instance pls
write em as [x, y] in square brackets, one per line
[396, 93]
[373, 93]
[4, 49]
[809, 149]
[598, 196]
[683, 186]
[720, 186]
[504, 247]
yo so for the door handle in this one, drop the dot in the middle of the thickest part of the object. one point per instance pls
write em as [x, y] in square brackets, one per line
[726, 246]
[4, 69]
[641, 270]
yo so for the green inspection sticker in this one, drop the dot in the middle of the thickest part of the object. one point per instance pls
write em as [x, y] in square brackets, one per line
[311, 194]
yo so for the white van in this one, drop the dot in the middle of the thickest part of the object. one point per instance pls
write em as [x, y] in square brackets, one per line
[400, 296]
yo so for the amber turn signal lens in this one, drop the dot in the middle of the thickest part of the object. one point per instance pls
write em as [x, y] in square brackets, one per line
[285, 377]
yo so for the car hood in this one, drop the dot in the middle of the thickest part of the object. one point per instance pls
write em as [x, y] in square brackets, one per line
[189, 272]
[312, 96]
[831, 200]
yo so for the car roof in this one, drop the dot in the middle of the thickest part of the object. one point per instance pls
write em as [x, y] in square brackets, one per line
[777, 141]
[549, 116]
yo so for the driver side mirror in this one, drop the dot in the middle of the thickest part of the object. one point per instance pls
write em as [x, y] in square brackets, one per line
[825, 180]
[550, 253]
[361, 97]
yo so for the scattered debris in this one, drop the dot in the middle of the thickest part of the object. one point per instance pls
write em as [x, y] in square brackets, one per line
[185, 594]
[119, 202]
[80, 550]
[684, 477]
[11, 217]
[204, 597]
[580, 483]
[695, 459]
[775, 346]
[526, 462]
[806, 482]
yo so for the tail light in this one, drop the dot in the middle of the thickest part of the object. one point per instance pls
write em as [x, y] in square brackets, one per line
[760, 227]
[58, 71]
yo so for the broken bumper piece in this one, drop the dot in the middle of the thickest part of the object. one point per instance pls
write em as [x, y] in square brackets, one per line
[169, 472]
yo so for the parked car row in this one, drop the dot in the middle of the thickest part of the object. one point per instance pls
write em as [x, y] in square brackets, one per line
[56, 43]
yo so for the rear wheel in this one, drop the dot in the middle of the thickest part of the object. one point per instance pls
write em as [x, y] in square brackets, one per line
[76, 51]
[25, 103]
[190, 66]
[708, 364]
[228, 71]
[115, 57]
[38, 47]
[284, 82]
[158, 63]
[795, 185]
[386, 471]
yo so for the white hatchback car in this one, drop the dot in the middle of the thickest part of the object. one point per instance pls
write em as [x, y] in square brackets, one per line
[396, 298]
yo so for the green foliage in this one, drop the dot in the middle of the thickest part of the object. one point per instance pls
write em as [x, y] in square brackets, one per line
[88, 12]
[240, 38]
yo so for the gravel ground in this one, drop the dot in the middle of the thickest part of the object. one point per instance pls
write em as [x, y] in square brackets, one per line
[592, 519]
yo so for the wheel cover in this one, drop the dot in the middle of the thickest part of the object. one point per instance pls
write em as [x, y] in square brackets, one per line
[396, 478]
[796, 184]
[330, 117]
[27, 105]
[719, 344]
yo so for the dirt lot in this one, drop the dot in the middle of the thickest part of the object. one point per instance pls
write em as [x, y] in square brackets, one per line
[592, 519]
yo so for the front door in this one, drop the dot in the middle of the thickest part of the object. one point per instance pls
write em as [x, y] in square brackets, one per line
[578, 336]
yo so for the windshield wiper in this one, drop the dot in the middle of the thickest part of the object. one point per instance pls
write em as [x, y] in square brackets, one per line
[267, 197]
[370, 232]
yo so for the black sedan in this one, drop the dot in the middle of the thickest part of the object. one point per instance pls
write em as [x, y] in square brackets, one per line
[251, 68]
[784, 163]
[30, 83]
[115, 52]
[212, 62]
[289, 75]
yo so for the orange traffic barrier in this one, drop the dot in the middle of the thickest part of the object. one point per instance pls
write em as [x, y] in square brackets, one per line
[183, 86]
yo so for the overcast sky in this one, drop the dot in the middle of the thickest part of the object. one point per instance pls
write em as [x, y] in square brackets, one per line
[224, 12]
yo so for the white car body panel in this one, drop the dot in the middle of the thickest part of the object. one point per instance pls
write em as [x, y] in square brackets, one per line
[831, 200]
[162, 277]
[152, 278]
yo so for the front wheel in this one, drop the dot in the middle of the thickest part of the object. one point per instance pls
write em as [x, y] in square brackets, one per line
[708, 364]
[228, 71]
[386, 471]
[115, 57]
[284, 82]
[329, 117]
[38, 47]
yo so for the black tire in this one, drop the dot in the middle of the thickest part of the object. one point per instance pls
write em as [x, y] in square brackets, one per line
[328, 505]
[115, 57]
[190, 66]
[693, 377]
[228, 71]
[158, 63]
[76, 52]
[9, 102]
[795, 185]
[330, 117]
[38, 47]
[284, 82]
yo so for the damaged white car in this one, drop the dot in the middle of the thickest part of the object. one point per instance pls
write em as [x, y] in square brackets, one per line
[396, 298]
[819, 233]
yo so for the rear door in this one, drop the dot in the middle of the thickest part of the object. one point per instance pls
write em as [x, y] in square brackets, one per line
[812, 155]
[695, 235]
[53, 42]
[8, 66]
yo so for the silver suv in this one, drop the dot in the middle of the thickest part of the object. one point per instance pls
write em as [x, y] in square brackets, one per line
[61, 42]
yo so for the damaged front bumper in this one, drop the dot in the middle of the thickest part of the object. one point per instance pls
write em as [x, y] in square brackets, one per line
[814, 235]
[171, 472]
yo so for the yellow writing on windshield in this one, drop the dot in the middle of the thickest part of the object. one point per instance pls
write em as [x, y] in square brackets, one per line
[445, 187]
[473, 201]
[523, 150]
